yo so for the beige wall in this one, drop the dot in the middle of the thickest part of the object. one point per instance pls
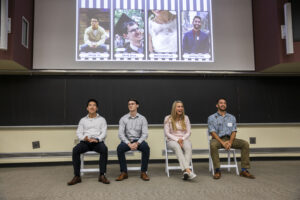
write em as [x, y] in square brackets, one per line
[19, 140]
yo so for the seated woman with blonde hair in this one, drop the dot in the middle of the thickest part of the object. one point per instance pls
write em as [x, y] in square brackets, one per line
[177, 128]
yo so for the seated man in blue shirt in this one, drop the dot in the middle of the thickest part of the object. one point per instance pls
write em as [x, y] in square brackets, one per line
[133, 131]
[222, 127]
[91, 132]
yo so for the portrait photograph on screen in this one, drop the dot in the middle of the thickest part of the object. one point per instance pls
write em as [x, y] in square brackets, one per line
[196, 31]
[196, 36]
[163, 35]
[93, 32]
[129, 34]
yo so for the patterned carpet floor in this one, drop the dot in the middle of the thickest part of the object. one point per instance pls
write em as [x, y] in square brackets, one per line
[274, 180]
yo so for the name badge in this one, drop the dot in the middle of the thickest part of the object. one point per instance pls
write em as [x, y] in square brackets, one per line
[229, 124]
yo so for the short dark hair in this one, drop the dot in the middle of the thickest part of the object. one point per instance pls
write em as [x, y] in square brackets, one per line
[94, 18]
[92, 100]
[132, 99]
[197, 17]
[221, 98]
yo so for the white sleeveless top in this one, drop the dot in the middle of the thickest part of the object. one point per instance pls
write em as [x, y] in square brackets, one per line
[164, 36]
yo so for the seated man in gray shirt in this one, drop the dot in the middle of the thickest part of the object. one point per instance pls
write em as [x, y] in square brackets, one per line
[222, 127]
[133, 131]
[91, 132]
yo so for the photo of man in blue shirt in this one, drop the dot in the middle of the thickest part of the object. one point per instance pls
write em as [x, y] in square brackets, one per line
[195, 40]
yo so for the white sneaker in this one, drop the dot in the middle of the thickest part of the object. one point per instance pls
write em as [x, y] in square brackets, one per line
[186, 176]
[192, 176]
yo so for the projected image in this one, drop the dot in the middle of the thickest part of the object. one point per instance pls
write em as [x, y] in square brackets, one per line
[93, 34]
[129, 34]
[162, 36]
[144, 30]
[196, 35]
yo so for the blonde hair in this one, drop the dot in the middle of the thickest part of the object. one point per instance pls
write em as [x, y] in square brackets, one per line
[174, 117]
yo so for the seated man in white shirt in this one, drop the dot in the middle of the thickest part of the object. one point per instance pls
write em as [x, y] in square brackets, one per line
[91, 132]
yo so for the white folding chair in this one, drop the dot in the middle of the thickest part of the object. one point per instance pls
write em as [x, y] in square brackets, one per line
[86, 170]
[133, 168]
[222, 150]
[167, 168]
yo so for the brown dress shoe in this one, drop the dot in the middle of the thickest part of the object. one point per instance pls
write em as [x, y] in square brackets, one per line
[75, 180]
[217, 175]
[122, 176]
[103, 179]
[246, 174]
[144, 176]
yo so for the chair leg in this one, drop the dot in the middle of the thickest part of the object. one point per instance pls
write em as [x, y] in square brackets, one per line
[210, 163]
[167, 162]
[192, 167]
[167, 167]
[81, 164]
[228, 158]
[236, 165]
[211, 166]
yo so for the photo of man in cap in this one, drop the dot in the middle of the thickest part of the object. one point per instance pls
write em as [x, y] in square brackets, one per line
[132, 34]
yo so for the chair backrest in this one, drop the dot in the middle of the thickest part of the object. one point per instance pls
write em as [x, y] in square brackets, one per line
[208, 138]
[165, 141]
[166, 146]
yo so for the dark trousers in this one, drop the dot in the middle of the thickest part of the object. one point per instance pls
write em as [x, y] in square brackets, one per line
[143, 147]
[83, 147]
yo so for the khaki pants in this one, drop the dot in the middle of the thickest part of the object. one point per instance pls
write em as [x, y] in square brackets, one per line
[184, 155]
[237, 144]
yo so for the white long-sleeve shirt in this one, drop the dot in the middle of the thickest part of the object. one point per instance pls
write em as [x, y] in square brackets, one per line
[92, 127]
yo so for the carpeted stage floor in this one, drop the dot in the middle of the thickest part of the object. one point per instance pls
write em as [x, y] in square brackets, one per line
[274, 180]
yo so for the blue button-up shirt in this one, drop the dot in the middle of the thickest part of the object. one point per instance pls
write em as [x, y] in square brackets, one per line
[222, 126]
